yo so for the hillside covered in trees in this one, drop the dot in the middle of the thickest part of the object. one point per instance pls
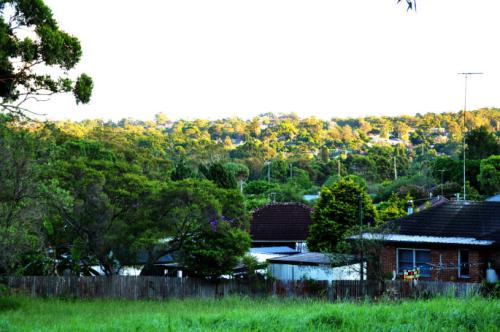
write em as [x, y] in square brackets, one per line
[79, 194]
[296, 156]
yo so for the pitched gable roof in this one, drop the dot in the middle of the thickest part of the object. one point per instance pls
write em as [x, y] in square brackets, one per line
[473, 220]
[281, 222]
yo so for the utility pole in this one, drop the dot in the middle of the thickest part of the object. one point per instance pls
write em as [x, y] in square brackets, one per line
[268, 163]
[395, 169]
[338, 166]
[466, 76]
[361, 272]
[291, 170]
[442, 171]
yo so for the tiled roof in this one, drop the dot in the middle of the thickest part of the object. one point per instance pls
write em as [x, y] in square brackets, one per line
[142, 258]
[281, 222]
[479, 220]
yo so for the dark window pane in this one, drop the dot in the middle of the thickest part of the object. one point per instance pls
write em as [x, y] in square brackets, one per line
[422, 256]
[422, 260]
[464, 263]
[405, 255]
[405, 266]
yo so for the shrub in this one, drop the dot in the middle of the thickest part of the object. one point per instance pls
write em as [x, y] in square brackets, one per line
[491, 290]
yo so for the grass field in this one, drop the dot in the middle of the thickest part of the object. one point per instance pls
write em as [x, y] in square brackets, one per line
[236, 314]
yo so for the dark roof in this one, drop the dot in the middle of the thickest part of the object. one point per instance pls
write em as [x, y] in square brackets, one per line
[142, 258]
[281, 222]
[313, 258]
[434, 201]
[480, 220]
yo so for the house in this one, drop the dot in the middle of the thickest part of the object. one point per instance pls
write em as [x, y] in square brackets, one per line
[315, 266]
[453, 241]
[281, 224]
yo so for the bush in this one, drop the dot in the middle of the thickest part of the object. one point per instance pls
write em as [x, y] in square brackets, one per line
[490, 290]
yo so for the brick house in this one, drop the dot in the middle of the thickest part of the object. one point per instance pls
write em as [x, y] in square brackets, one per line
[454, 241]
[281, 224]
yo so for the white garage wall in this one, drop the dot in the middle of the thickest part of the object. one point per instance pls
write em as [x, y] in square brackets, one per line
[297, 272]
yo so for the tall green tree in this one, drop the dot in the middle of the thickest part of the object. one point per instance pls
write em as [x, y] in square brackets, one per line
[182, 210]
[338, 211]
[22, 200]
[215, 249]
[107, 195]
[481, 144]
[221, 176]
[489, 176]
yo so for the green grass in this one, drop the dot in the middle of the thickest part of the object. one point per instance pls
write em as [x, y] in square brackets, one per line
[237, 314]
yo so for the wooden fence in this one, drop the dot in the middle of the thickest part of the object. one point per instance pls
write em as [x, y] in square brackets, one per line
[143, 287]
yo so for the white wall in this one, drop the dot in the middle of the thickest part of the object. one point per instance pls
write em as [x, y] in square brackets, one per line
[297, 272]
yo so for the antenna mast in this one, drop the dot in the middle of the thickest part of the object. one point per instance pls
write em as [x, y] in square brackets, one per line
[466, 75]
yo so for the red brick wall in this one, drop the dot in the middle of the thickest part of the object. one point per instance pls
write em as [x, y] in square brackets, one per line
[449, 257]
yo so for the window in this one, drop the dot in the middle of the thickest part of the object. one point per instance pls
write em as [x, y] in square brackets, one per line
[463, 263]
[409, 259]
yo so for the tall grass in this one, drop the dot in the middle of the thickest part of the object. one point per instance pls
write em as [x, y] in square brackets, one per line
[237, 314]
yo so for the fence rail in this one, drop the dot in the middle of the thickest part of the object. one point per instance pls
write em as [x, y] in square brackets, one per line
[143, 287]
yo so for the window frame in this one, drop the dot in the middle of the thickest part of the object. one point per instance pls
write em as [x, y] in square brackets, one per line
[460, 275]
[414, 250]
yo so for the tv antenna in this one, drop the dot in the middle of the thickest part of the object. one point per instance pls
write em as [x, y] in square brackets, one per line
[466, 76]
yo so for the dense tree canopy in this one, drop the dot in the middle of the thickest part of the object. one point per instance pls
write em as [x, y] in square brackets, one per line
[337, 211]
[77, 195]
[22, 56]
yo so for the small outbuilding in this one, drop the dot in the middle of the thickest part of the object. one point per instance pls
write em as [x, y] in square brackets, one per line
[315, 266]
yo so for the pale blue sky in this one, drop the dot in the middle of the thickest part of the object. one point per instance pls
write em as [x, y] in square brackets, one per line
[214, 58]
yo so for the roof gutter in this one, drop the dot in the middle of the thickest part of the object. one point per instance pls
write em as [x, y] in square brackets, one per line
[422, 239]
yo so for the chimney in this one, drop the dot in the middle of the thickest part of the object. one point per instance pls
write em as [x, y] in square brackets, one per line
[410, 207]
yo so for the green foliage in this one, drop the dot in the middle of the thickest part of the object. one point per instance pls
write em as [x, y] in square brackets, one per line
[489, 175]
[221, 176]
[179, 215]
[94, 188]
[22, 209]
[8, 304]
[182, 171]
[40, 42]
[252, 314]
[259, 187]
[490, 290]
[107, 197]
[239, 171]
[83, 89]
[336, 212]
[481, 144]
[394, 208]
[417, 183]
[214, 250]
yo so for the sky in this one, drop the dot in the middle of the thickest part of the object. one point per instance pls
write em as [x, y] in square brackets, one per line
[325, 58]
